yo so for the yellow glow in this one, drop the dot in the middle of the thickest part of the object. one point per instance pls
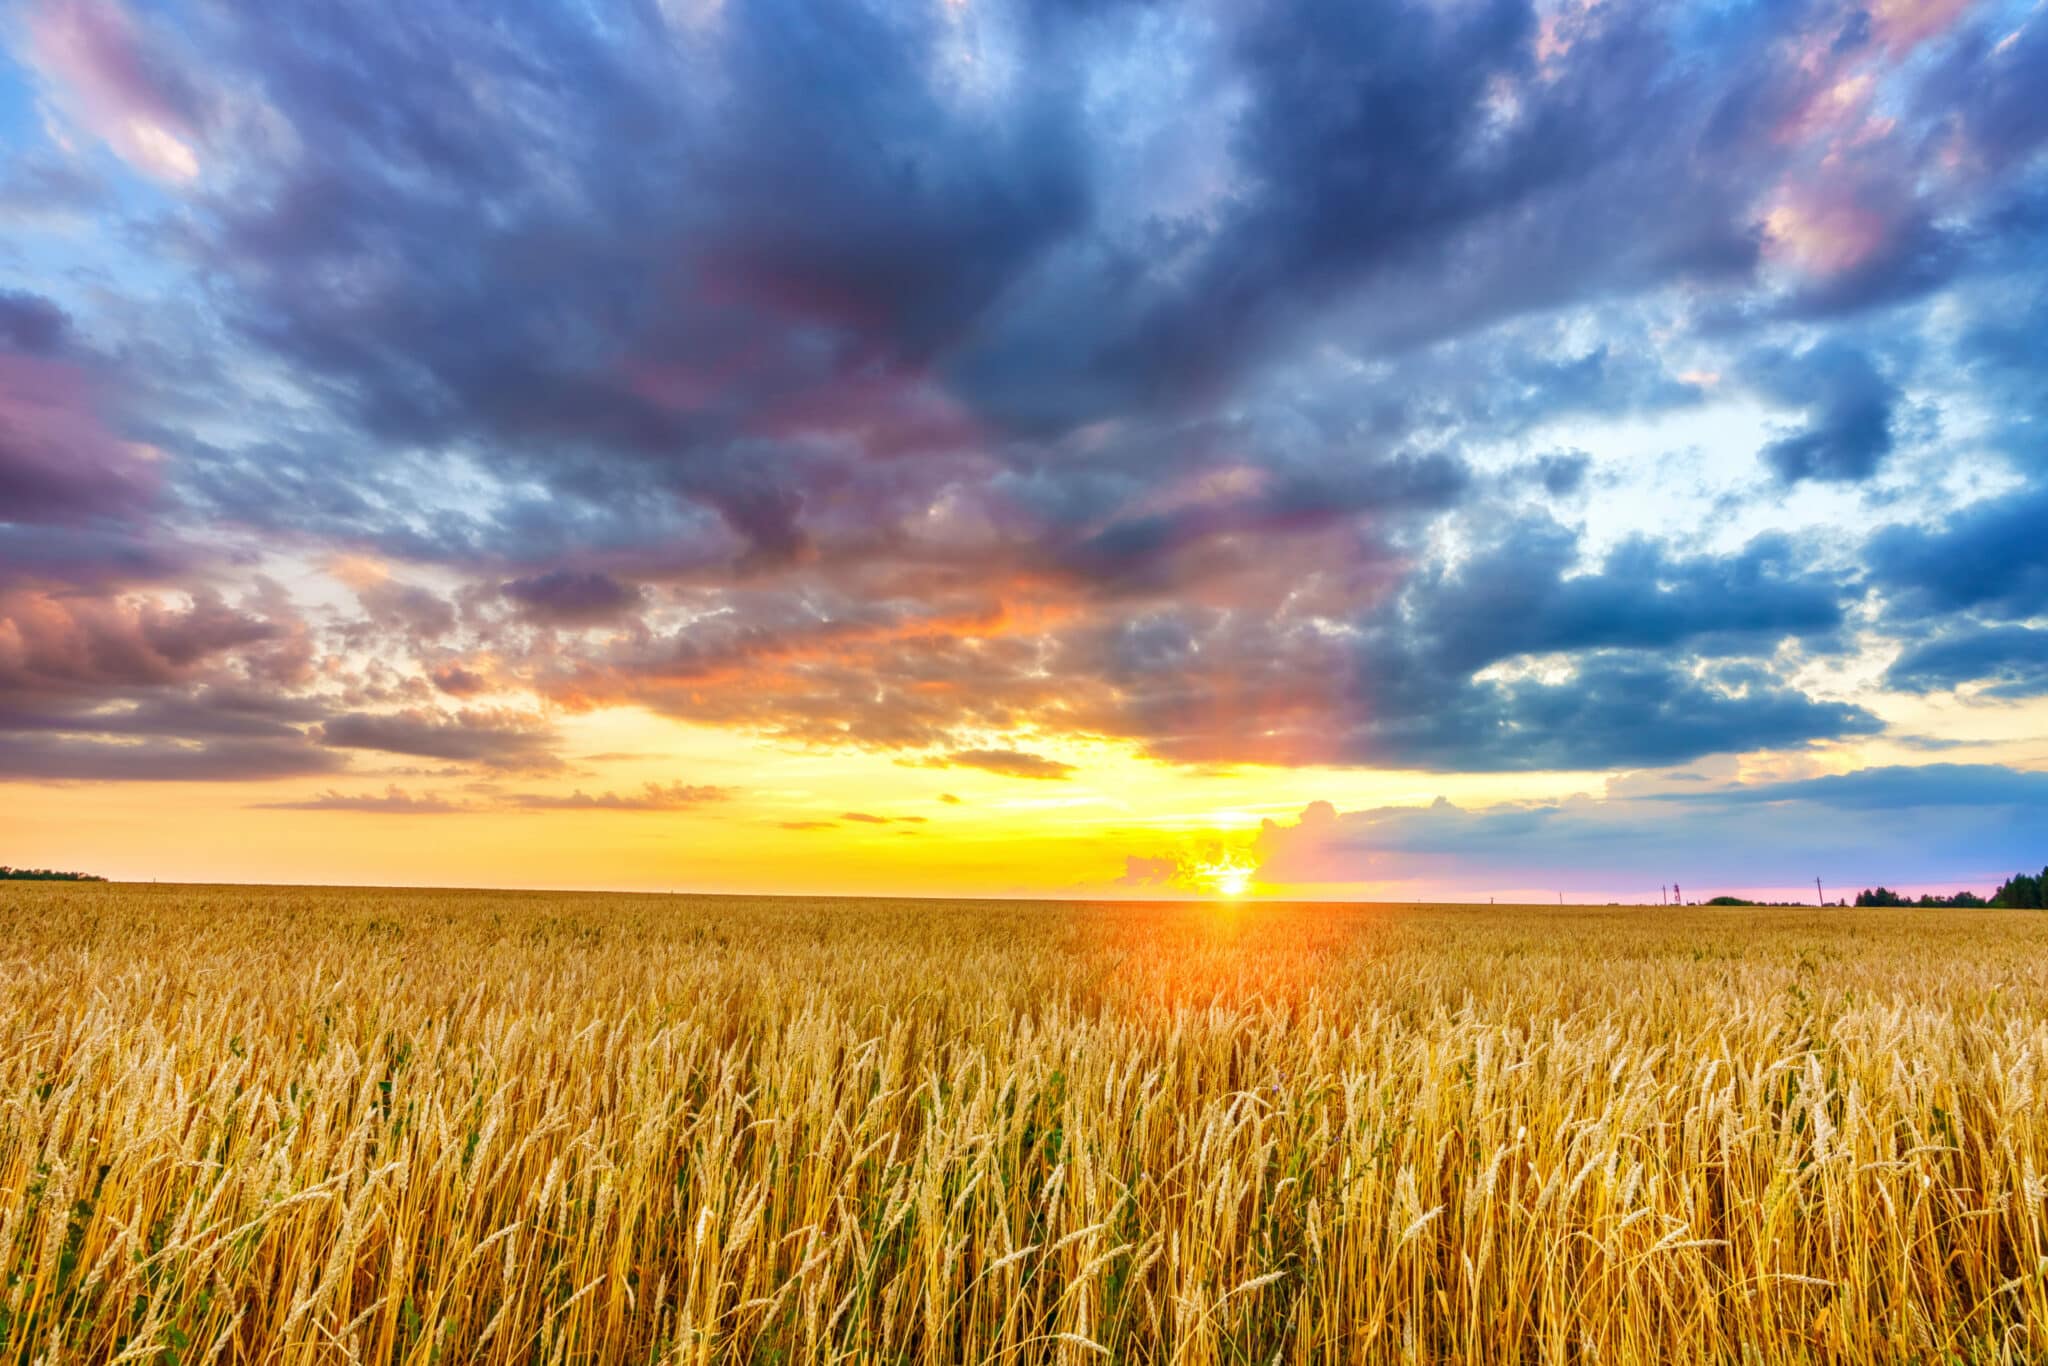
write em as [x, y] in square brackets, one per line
[1228, 878]
[786, 825]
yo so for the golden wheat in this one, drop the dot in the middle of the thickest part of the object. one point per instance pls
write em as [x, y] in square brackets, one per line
[282, 1126]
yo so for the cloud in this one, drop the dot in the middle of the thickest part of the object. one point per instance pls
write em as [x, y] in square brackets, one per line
[404, 609]
[1519, 594]
[1851, 403]
[136, 688]
[674, 796]
[120, 78]
[67, 643]
[868, 818]
[60, 465]
[39, 758]
[1648, 656]
[1896, 788]
[456, 680]
[976, 384]
[43, 188]
[30, 324]
[563, 597]
[496, 739]
[393, 801]
[1011, 763]
[1560, 473]
[2012, 660]
[1142, 872]
[1892, 825]
[1984, 90]
[1407, 169]
[1650, 662]
[1990, 557]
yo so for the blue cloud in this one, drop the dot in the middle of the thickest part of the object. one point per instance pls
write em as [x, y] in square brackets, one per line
[2012, 660]
[897, 378]
[1851, 402]
[1990, 558]
[1946, 824]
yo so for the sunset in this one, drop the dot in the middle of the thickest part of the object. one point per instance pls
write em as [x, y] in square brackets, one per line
[423, 439]
[1310, 545]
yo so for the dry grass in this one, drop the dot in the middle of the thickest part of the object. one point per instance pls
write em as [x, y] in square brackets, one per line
[285, 1125]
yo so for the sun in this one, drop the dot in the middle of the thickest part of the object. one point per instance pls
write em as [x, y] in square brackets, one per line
[1228, 877]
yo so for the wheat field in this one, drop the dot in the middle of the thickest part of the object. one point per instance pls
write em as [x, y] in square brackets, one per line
[296, 1125]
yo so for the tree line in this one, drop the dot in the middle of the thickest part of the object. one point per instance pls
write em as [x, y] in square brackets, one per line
[2021, 891]
[44, 875]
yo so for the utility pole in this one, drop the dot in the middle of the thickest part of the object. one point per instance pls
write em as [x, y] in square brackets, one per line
[1818, 893]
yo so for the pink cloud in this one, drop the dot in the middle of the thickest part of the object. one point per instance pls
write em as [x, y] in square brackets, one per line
[58, 461]
[1823, 230]
[115, 80]
[1903, 25]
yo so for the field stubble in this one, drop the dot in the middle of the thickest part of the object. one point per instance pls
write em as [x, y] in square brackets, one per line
[293, 1125]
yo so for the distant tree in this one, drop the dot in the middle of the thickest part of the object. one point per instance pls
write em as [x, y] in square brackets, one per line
[1885, 896]
[2022, 891]
[43, 875]
[1728, 901]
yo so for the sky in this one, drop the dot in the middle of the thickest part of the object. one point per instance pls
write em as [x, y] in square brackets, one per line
[1437, 450]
